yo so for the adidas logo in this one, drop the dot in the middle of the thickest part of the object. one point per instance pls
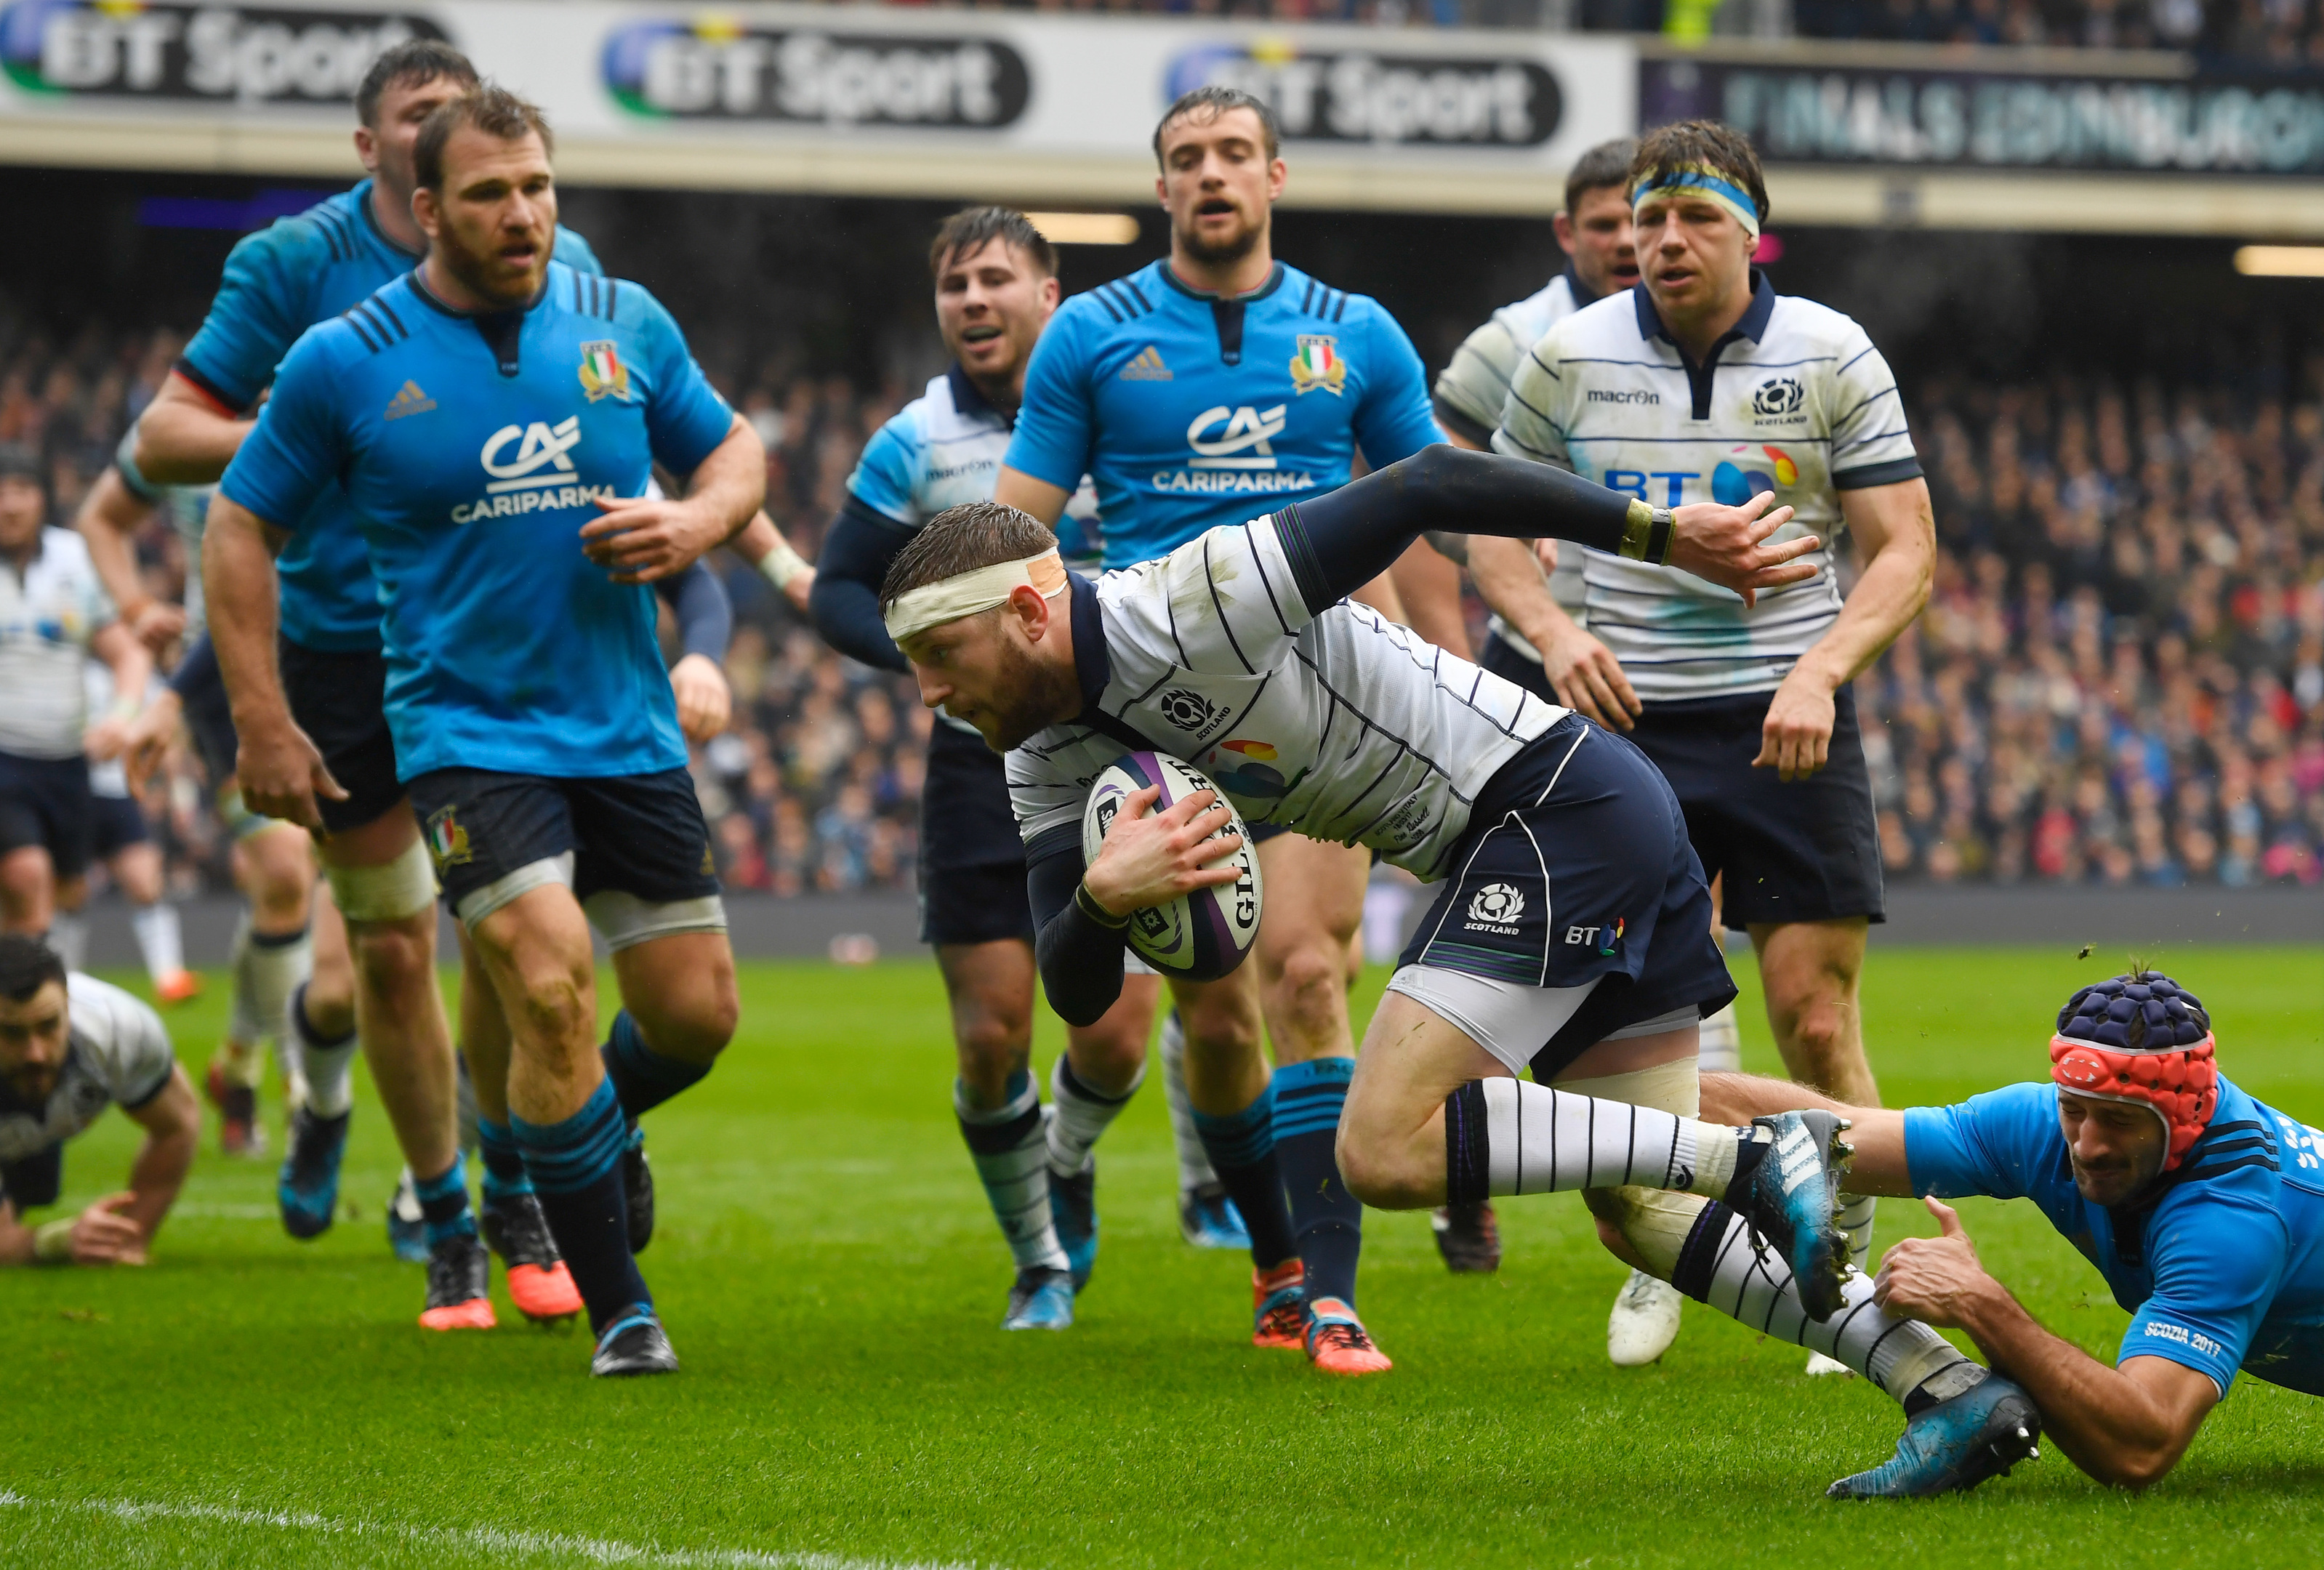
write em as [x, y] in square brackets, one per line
[1147, 367]
[410, 401]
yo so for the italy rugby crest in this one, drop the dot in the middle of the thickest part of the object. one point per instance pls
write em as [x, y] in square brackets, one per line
[1318, 365]
[602, 374]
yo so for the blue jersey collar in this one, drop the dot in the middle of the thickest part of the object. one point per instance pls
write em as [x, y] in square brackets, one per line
[968, 398]
[427, 296]
[1093, 666]
[1580, 292]
[362, 195]
[1169, 276]
[1753, 324]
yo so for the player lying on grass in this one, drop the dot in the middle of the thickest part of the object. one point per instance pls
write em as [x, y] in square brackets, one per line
[2203, 1208]
[1377, 739]
[69, 1046]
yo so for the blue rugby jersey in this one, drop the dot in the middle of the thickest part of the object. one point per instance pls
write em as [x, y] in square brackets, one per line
[2223, 1270]
[279, 283]
[471, 478]
[1190, 409]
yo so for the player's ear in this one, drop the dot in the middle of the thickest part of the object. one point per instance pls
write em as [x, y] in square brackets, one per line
[1563, 223]
[1278, 175]
[1052, 291]
[367, 149]
[1030, 610]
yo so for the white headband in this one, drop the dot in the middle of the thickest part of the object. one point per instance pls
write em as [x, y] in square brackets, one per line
[966, 593]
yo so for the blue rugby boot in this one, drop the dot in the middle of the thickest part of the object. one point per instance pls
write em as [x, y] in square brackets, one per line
[1072, 1211]
[307, 1189]
[634, 1344]
[1787, 1196]
[1955, 1445]
[1208, 1219]
[407, 1227]
[1041, 1298]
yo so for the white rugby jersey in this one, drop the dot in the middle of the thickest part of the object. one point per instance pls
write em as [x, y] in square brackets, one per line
[1795, 400]
[109, 778]
[1338, 723]
[1470, 391]
[48, 612]
[119, 1053]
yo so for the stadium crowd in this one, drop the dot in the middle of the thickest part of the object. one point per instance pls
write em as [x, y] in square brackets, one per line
[2120, 676]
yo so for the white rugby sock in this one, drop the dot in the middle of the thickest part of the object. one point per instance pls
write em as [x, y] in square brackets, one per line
[1542, 1141]
[1011, 1151]
[1722, 1043]
[1194, 1170]
[1719, 1266]
[158, 939]
[1855, 1216]
[266, 967]
[68, 938]
[1082, 1115]
[327, 1065]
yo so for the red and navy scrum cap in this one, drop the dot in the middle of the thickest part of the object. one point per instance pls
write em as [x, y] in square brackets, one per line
[2143, 1039]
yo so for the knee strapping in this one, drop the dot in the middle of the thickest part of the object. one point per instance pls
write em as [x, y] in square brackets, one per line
[403, 888]
[1671, 1087]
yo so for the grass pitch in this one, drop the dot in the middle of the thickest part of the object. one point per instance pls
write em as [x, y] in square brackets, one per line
[832, 1282]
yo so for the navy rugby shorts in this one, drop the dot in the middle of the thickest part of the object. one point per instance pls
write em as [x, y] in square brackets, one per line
[339, 698]
[972, 859]
[1804, 851]
[115, 824]
[47, 802]
[1576, 869]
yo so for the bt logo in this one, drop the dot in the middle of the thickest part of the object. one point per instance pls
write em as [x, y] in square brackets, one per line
[1248, 431]
[1732, 484]
[1634, 483]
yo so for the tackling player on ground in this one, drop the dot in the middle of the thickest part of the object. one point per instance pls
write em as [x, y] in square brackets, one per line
[2202, 1208]
[1455, 775]
[996, 286]
[1704, 382]
[550, 394]
[70, 1047]
[1187, 390]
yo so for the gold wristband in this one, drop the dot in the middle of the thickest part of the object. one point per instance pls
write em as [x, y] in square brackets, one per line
[1095, 912]
[1648, 533]
[53, 1243]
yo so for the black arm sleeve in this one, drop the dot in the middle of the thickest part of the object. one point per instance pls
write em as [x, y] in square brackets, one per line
[1344, 539]
[1080, 956]
[845, 601]
[706, 616]
[198, 671]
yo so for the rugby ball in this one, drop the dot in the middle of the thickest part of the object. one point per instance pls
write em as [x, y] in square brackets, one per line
[1198, 937]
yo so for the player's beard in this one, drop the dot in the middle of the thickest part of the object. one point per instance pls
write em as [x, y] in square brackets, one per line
[1028, 697]
[1233, 248]
[478, 269]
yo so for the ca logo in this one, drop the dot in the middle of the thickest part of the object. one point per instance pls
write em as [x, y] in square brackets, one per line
[1247, 431]
[540, 447]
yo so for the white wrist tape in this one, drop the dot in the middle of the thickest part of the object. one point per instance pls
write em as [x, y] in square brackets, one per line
[968, 592]
[782, 564]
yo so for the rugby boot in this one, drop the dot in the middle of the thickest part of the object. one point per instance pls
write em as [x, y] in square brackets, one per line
[636, 1185]
[1468, 1237]
[307, 1189]
[1787, 1198]
[1643, 1323]
[634, 1344]
[240, 1132]
[459, 1281]
[1337, 1341]
[1955, 1445]
[538, 1284]
[407, 1227]
[1208, 1219]
[1278, 1306]
[1072, 1210]
[180, 986]
[1041, 1298]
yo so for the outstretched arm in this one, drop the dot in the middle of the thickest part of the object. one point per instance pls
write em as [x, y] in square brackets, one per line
[1346, 537]
[2126, 1425]
[1876, 1133]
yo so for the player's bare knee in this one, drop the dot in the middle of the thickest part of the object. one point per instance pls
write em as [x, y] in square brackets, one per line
[1384, 1172]
[393, 957]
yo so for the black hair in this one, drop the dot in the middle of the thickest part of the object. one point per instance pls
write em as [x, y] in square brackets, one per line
[23, 462]
[414, 62]
[27, 963]
[1608, 164]
[492, 109]
[1218, 101]
[971, 229]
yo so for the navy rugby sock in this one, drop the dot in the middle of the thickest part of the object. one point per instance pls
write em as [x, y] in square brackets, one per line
[642, 1077]
[1327, 1221]
[503, 1159]
[444, 1202]
[576, 1170]
[1241, 1147]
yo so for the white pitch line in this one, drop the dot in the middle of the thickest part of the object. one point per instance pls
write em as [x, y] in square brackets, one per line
[486, 1539]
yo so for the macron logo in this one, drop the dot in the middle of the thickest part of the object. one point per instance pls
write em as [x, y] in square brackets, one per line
[1146, 367]
[539, 447]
